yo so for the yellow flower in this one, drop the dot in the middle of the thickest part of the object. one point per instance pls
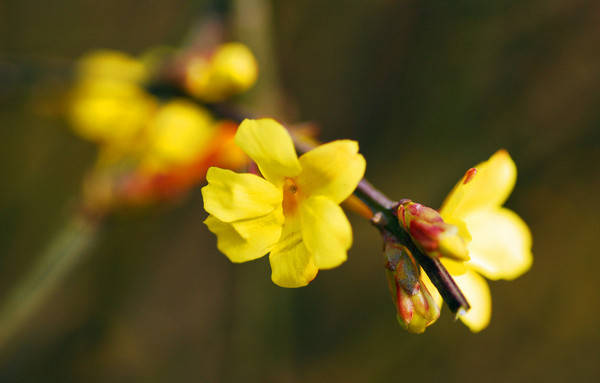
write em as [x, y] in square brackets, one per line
[231, 70]
[499, 242]
[114, 65]
[108, 103]
[293, 213]
[177, 134]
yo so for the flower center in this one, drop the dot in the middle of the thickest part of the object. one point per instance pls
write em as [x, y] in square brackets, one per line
[291, 196]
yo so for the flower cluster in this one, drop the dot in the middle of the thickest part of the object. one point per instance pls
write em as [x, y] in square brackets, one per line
[153, 146]
[149, 147]
[292, 211]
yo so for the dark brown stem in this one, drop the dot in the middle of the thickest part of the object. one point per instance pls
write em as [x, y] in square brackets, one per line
[384, 209]
[384, 214]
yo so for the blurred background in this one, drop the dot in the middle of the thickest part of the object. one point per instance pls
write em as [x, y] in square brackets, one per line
[428, 88]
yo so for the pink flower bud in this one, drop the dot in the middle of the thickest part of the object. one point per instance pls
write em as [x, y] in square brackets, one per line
[416, 308]
[429, 231]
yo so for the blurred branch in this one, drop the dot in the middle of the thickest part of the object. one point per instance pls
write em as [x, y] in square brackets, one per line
[221, 7]
[63, 253]
[253, 26]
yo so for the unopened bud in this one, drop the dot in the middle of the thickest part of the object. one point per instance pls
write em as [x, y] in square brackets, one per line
[415, 306]
[429, 231]
[231, 70]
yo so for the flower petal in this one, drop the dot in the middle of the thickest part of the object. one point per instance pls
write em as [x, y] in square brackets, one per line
[432, 289]
[477, 292]
[270, 146]
[178, 133]
[292, 265]
[490, 187]
[326, 231]
[332, 170]
[238, 248]
[501, 244]
[230, 196]
[269, 225]
[454, 267]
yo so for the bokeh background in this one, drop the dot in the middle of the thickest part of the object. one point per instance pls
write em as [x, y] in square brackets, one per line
[428, 88]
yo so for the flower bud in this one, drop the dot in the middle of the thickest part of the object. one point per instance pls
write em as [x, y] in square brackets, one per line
[415, 306]
[231, 70]
[429, 231]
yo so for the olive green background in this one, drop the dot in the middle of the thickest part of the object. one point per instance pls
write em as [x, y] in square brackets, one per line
[429, 88]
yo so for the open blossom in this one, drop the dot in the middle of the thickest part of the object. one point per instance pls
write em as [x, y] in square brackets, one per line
[498, 240]
[293, 213]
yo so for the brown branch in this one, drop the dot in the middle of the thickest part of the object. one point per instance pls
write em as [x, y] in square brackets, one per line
[383, 208]
[384, 213]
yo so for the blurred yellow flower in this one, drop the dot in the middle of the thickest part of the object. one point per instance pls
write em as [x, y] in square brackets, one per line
[231, 70]
[499, 241]
[177, 134]
[108, 104]
[293, 213]
[111, 65]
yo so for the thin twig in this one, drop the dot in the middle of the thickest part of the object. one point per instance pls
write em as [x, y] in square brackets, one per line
[63, 253]
[384, 207]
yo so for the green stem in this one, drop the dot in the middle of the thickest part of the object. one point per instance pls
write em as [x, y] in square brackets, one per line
[63, 253]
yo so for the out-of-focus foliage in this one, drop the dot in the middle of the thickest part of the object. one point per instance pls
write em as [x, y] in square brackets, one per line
[428, 88]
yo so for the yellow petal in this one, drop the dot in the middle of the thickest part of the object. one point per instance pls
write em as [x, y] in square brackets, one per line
[292, 265]
[432, 289]
[462, 228]
[109, 111]
[270, 146]
[454, 267]
[235, 67]
[179, 132]
[112, 65]
[239, 249]
[477, 292]
[501, 244]
[326, 231]
[332, 170]
[490, 187]
[266, 225]
[231, 70]
[230, 196]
